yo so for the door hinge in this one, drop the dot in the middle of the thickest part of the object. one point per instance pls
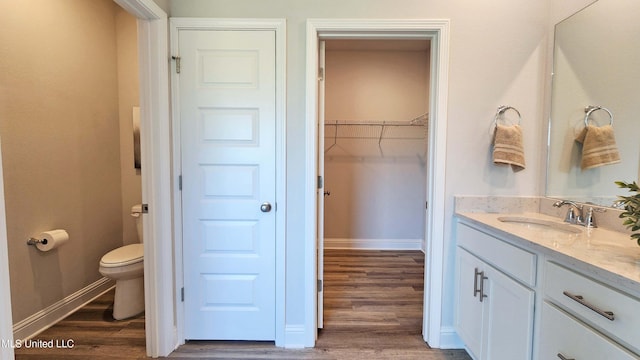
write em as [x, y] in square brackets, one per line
[426, 205]
[182, 294]
[320, 182]
[319, 285]
[180, 182]
[145, 209]
[321, 74]
[177, 59]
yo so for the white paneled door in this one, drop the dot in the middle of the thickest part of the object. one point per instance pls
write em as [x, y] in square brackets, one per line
[227, 95]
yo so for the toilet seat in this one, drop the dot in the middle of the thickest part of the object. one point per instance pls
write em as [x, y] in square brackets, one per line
[122, 256]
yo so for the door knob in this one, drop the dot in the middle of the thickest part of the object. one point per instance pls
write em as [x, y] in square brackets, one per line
[265, 207]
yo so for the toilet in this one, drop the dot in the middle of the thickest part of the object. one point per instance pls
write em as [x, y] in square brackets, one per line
[125, 266]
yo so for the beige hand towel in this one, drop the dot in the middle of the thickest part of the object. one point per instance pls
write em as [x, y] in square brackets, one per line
[598, 146]
[508, 146]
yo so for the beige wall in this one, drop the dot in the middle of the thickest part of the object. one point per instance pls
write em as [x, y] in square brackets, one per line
[60, 143]
[377, 192]
[163, 4]
[376, 85]
[128, 97]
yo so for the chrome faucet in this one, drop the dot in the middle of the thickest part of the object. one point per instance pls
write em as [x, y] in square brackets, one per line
[579, 218]
[571, 216]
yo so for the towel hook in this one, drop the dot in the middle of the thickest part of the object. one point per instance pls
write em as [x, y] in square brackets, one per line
[591, 108]
[502, 109]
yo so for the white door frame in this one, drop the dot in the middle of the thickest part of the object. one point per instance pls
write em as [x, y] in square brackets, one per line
[206, 24]
[438, 32]
[157, 184]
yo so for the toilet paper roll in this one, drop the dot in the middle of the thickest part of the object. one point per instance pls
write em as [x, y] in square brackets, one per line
[52, 239]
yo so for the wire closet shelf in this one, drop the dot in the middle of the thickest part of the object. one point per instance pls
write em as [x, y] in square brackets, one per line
[414, 129]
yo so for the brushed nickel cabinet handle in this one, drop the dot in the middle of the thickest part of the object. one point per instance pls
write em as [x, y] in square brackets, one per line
[580, 299]
[562, 357]
[482, 279]
[476, 291]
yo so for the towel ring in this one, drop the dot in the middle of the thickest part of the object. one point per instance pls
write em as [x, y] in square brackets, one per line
[501, 110]
[591, 108]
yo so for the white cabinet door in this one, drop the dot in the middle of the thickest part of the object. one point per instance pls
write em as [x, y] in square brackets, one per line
[494, 313]
[509, 319]
[469, 309]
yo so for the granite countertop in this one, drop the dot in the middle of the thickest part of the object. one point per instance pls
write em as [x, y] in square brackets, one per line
[609, 255]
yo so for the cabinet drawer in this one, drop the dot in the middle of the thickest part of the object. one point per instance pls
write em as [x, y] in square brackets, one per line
[564, 337]
[512, 260]
[609, 310]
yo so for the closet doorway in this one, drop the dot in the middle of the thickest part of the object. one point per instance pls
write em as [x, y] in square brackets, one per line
[373, 160]
[437, 32]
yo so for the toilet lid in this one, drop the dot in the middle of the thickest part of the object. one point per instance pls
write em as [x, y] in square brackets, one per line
[125, 255]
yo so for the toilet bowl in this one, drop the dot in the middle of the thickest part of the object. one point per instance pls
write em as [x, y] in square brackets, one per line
[125, 265]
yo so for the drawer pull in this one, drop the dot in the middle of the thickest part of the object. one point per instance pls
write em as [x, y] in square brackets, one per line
[482, 279]
[562, 357]
[580, 299]
[479, 290]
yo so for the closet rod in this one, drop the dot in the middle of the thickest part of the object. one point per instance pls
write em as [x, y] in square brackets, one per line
[377, 137]
[417, 121]
[385, 123]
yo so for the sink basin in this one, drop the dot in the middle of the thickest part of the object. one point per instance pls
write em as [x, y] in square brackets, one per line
[540, 224]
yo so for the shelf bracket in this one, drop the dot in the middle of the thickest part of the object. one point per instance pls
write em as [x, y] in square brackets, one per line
[380, 139]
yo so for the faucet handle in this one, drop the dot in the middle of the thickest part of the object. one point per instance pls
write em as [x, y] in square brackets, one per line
[571, 216]
[589, 219]
[619, 204]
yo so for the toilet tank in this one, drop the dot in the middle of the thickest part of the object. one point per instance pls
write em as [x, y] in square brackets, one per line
[136, 212]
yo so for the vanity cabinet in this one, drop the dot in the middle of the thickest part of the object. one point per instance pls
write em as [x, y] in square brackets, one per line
[494, 304]
[519, 296]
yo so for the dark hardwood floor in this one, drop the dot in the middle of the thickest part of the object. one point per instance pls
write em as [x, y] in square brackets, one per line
[373, 310]
[94, 335]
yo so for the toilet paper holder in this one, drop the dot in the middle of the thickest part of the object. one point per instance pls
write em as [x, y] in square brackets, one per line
[49, 240]
[34, 241]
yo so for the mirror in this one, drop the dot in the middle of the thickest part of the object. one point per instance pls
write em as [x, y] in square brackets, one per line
[596, 62]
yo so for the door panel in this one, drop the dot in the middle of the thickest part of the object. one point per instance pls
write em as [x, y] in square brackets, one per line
[227, 116]
[470, 311]
[320, 190]
[510, 317]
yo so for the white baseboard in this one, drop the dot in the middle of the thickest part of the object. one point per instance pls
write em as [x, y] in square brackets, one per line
[294, 337]
[449, 338]
[373, 244]
[49, 316]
